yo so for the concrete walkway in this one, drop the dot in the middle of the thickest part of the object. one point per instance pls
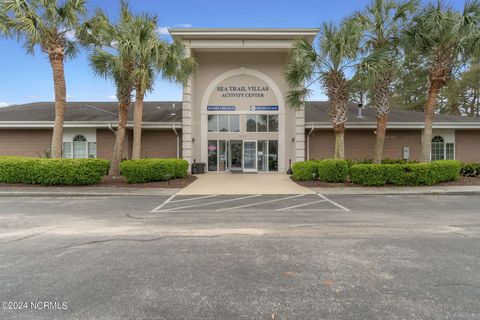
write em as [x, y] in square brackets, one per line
[227, 183]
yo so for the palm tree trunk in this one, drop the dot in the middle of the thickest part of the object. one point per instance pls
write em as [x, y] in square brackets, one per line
[119, 140]
[339, 141]
[430, 107]
[137, 125]
[380, 140]
[56, 61]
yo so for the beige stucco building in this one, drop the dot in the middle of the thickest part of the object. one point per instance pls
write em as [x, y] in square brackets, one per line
[233, 115]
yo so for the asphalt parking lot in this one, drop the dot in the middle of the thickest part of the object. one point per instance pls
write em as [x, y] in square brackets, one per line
[233, 257]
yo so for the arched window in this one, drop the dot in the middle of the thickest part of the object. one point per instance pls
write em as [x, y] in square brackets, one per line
[442, 150]
[79, 147]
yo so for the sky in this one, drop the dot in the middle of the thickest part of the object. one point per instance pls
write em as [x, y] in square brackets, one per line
[25, 78]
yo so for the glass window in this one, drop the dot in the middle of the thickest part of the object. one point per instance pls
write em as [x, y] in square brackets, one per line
[438, 148]
[272, 155]
[222, 155]
[92, 150]
[262, 122]
[79, 147]
[251, 123]
[234, 123]
[67, 150]
[272, 123]
[212, 123]
[223, 123]
[450, 151]
[212, 155]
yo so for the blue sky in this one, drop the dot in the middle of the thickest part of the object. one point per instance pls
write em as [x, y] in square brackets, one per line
[28, 78]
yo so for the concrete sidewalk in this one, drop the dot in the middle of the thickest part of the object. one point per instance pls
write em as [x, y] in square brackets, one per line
[40, 191]
[401, 190]
[241, 183]
[238, 184]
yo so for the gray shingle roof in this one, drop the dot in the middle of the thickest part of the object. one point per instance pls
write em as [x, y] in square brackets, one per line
[158, 111]
[164, 111]
[317, 111]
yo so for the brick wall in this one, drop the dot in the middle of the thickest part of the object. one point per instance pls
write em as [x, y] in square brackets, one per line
[24, 142]
[360, 144]
[159, 144]
[467, 145]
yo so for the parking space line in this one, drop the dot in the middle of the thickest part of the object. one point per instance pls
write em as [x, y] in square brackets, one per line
[163, 204]
[210, 203]
[300, 205]
[262, 202]
[196, 198]
[333, 202]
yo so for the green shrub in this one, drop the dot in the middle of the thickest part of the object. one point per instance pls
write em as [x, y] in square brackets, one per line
[332, 170]
[470, 169]
[405, 174]
[147, 170]
[52, 171]
[368, 174]
[305, 170]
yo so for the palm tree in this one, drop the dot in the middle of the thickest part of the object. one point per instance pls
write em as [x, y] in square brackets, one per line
[381, 22]
[49, 25]
[443, 36]
[152, 56]
[338, 48]
[113, 57]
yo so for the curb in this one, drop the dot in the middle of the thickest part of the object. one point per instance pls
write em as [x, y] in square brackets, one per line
[63, 194]
[446, 193]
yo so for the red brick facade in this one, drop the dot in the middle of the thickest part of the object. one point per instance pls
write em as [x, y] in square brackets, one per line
[360, 144]
[467, 145]
[25, 142]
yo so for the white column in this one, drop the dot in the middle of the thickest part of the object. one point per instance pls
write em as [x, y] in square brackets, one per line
[300, 135]
[187, 119]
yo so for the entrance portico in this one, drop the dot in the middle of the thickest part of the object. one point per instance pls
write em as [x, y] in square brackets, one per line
[234, 113]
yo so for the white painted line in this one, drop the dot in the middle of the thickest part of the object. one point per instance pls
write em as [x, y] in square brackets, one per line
[196, 198]
[161, 206]
[254, 210]
[262, 202]
[300, 205]
[206, 204]
[333, 202]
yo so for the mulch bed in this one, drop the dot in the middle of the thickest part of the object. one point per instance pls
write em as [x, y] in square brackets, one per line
[118, 182]
[462, 181]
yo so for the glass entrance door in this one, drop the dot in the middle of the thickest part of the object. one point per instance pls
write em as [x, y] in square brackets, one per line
[249, 156]
[235, 155]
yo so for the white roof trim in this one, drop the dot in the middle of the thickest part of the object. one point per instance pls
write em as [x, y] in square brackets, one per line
[84, 124]
[398, 125]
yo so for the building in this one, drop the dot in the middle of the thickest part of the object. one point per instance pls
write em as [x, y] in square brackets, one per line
[234, 116]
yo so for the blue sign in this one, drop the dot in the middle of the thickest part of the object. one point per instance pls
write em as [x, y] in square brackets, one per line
[220, 108]
[264, 108]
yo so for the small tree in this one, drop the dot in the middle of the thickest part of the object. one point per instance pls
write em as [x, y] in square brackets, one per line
[381, 22]
[338, 48]
[48, 25]
[443, 36]
[151, 57]
[113, 57]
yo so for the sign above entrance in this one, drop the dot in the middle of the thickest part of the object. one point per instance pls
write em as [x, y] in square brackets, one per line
[243, 92]
[220, 108]
[263, 108]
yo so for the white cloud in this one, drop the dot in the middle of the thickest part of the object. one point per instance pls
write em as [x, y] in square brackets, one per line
[163, 31]
[71, 97]
[184, 25]
[112, 97]
[70, 35]
[4, 104]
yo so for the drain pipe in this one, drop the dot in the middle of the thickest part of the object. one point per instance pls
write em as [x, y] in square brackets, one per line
[308, 141]
[178, 140]
[111, 128]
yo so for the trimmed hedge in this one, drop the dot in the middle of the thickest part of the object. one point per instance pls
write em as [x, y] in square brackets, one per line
[470, 169]
[305, 170]
[328, 170]
[405, 174]
[147, 170]
[332, 170]
[52, 171]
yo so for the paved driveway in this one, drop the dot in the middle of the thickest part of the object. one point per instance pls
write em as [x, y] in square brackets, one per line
[385, 257]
